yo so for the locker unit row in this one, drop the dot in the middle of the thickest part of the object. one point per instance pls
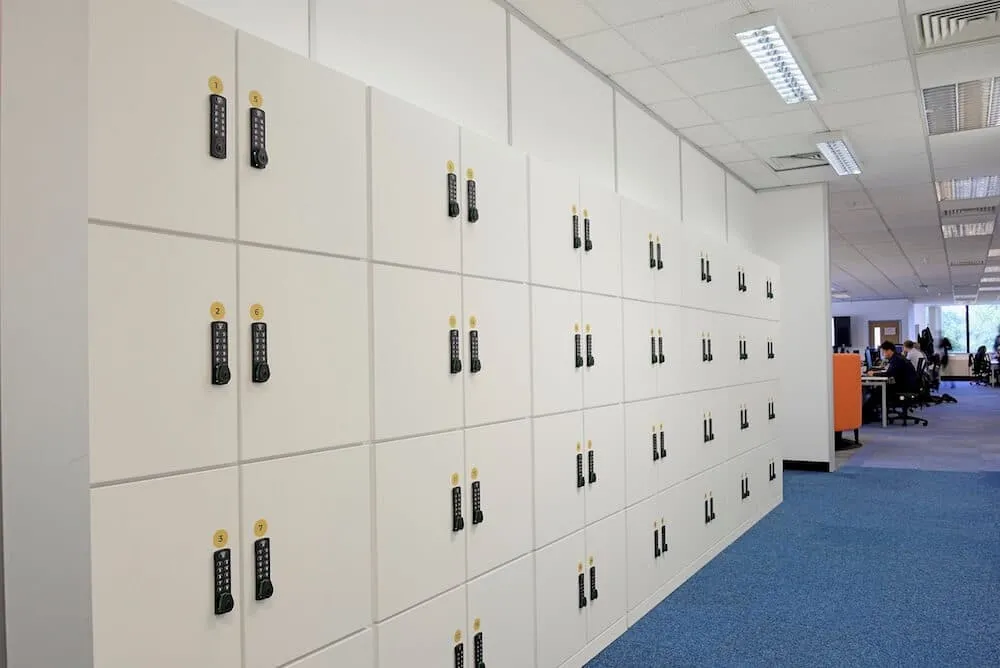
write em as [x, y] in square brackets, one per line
[307, 138]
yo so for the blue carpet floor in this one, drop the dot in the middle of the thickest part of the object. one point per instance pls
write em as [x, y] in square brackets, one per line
[869, 566]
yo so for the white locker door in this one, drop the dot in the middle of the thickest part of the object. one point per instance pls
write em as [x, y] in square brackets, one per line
[720, 356]
[641, 354]
[499, 386]
[314, 511]
[312, 193]
[642, 453]
[739, 337]
[645, 554]
[557, 361]
[416, 391]
[502, 617]
[768, 410]
[153, 406]
[720, 425]
[638, 242]
[607, 565]
[672, 249]
[725, 347]
[698, 373]
[725, 491]
[604, 429]
[413, 153]
[498, 470]
[153, 547]
[560, 477]
[724, 278]
[755, 348]
[741, 419]
[426, 635]
[420, 553]
[560, 602]
[358, 651]
[495, 243]
[602, 334]
[698, 291]
[312, 312]
[747, 271]
[602, 250]
[670, 324]
[772, 355]
[553, 202]
[679, 523]
[678, 444]
[700, 498]
[771, 471]
[154, 168]
[746, 488]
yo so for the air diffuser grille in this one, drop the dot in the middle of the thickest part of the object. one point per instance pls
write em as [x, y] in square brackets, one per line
[961, 23]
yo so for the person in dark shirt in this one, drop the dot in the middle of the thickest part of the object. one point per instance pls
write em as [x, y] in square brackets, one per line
[902, 373]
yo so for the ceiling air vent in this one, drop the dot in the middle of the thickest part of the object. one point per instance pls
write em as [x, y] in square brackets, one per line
[967, 263]
[969, 211]
[959, 24]
[969, 105]
[787, 163]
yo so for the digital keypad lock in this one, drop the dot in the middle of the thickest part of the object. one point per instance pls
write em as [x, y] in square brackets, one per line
[591, 471]
[475, 364]
[663, 444]
[771, 473]
[457, 521]
[460, 655]
[222, 561]
[656, 449]
[664, 548]
[657, 547]
[260, 369]
[477, 503]
[660, 357]
[770, 410]
[217, 112]
[579, 350]
[453, 208]
[258, 139]
[470, 196]
[652, 254]
[659, 255]
[652, 344]
[580, 480]
[590, 350]
[588, 243]
[221, 374]
[745, 488]
[263, 588]
[582, 589]
[577, 242]
[593, 583]
[479, 650]
[454, 351]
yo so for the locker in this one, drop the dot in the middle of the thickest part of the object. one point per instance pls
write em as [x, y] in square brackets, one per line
[702, 350]
[646, 565]
[642, 450]
[312, 193]
[501, 619]
[498, 465]
[602, 327]
[744, 281]
[670, 323]
[744, 418]
[606, 574]
[707, 508]
[413, 154]
[416, 389]
[641, 353]
[723, 273]
[640, 227]
[558, 351]
[725, 347]
[153, 407]
[153, 547]
[496, 244]
[499, 387]
[315, 310]
[741, 334]
[604, 429]
[769, 290]
[556, 243]
[706, 427]
[704, 275]
[770, 470]
[771, 350]
[600, 213]
[149, 160]
[427, 635]
[358, 651]
[561, 600]
[768, 408]
[670, 277]
[420, 549]
[560, 476]
[746, 487]
[314, 511]
[678, 449]
[682, 509]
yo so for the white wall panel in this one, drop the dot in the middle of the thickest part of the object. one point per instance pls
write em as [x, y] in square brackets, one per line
[283, 23]
[458, 43]
[649, 167]
[559, 110]
[704, 193]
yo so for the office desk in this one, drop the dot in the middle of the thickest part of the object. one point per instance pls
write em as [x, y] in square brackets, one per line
[883, 382]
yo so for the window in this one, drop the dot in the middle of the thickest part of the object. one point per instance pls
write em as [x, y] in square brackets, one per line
[954, 325]
[983, 322]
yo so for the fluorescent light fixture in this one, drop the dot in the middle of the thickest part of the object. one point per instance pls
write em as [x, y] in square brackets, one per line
[990, 279]
[976, 187]
[994, 252]
[834, 147]
[992, 269]
[768, 43]
[990, 289]
[841, 295]
[980, 229]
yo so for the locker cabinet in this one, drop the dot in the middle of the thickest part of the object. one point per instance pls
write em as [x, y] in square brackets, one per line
[658, 543]
[769, 290]
[153, 406]
[703, 350]
[427, 635]
[358, 651]
[746, 418]
[770, 471]
[746, 486]
[744, 282]
[768, 408]
[498, 470]
[501, 619]
[606, 566]
[742, 351]
[704, 277]
[771, 350]
[558, 350]
[704, 424]
[604, 461]
[642, 449]
[602, 328]
[417, 388]
[153, 559]
[640, 228]
[600, 211]
[561, 599]
[641, 353]
[708, 507]
[679, 448]
[312, 192]
[495, 245]
[422, 520]
[149, 159]
[309, 316]
[413, 198]
[556, 240]
[670, 323]
[314, 512]
[560, 476]
[498, 382]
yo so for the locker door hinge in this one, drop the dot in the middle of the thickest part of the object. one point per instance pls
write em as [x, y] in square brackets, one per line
[263, 588]
[258, 139]
[219, 343]
[477, 503]
[222, 561]
[457, 521]
[582, 587]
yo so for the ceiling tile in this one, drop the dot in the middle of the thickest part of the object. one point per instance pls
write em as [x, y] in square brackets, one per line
[698, 32]
[682, 113]
[854, 46]
[730, 153]
[561, 18]
[946, 66]
[803, 17]
[618, 12]
[718, 72]
[845, 184]
[887, 108]
[747, 102]
[904, 135]
[857, 220]
[708, 135]
[789, 123]
[903, 200]
[970, 153]
[756, 173]
[776, 146]
[649, 85]
[924, 220]
[853, 200]
[607, 51]
[916, 171]
[858, 83]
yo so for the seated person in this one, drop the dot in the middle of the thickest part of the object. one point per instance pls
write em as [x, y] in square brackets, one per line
[902, 375]
[913, 354]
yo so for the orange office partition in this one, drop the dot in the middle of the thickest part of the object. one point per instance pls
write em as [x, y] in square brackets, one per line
[846, 392]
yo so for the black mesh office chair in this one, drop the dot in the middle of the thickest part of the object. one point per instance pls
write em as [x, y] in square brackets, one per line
[979, 367]
[901, 403]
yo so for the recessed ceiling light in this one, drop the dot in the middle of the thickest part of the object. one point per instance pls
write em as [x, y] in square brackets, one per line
[768, 43]
[975, 187]
[994, 252]
[841, 295]
[980, 229]
[834, 147]
[990, 288]
[992, 269]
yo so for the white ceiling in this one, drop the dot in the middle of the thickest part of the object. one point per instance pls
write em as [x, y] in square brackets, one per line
[679, 58]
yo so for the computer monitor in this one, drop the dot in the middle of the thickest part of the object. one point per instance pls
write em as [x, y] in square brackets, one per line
[899, 349]
[872, 357]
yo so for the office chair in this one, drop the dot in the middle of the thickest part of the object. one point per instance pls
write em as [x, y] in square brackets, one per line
[900, 403]
[979, 367]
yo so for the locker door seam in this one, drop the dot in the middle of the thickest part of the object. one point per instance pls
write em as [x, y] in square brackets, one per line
[239, 385]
